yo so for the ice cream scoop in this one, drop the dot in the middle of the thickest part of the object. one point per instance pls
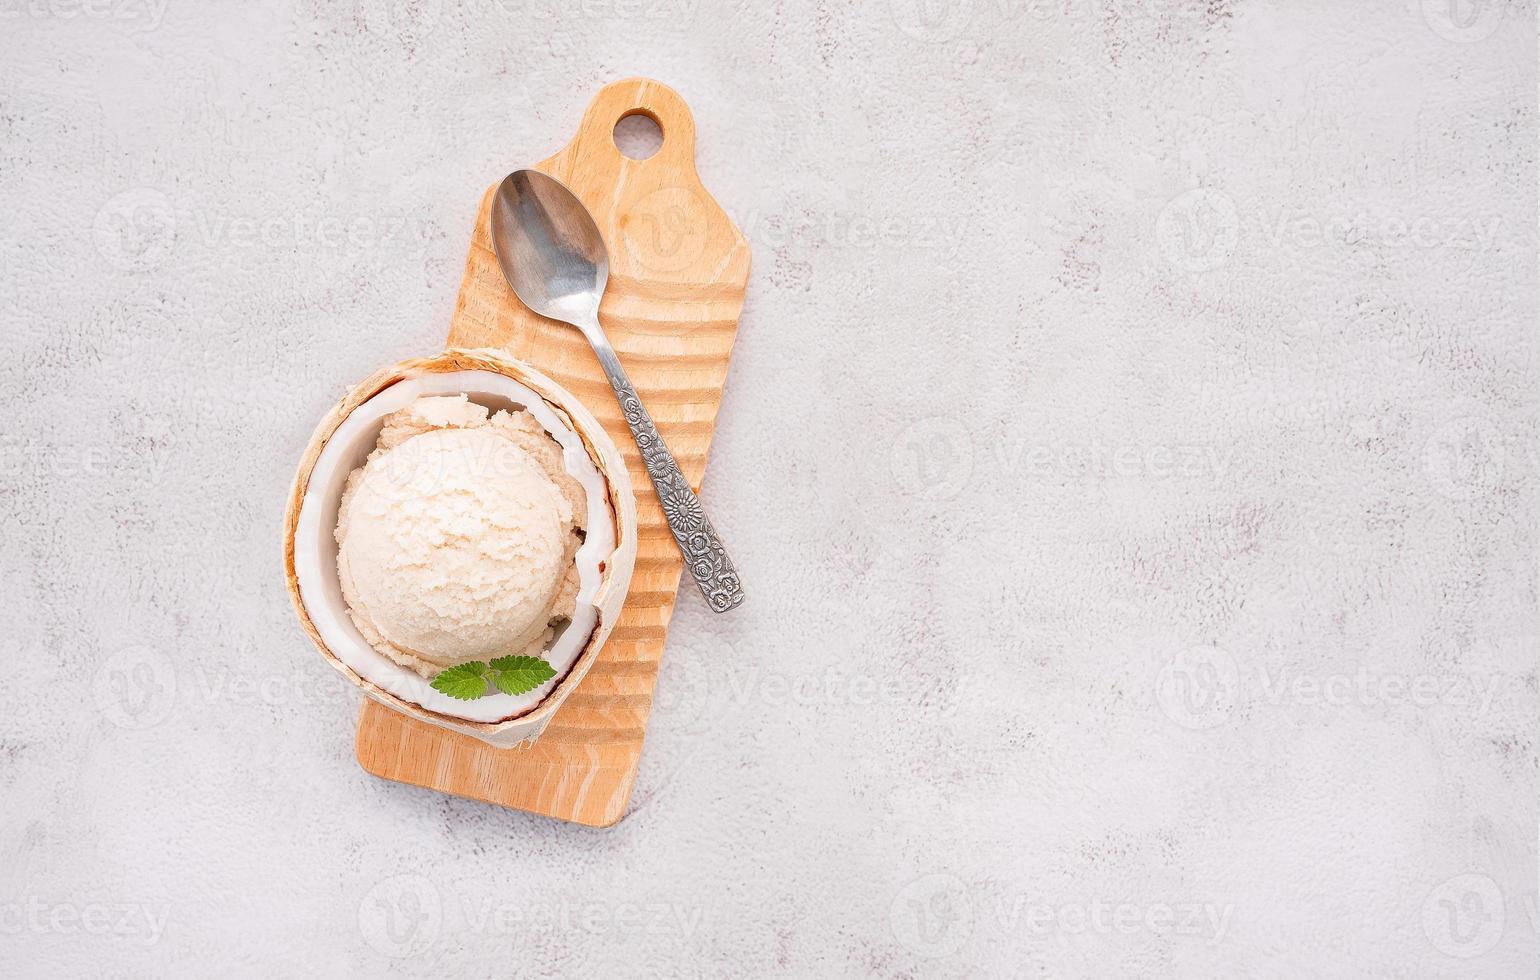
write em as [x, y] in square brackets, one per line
[456, 537]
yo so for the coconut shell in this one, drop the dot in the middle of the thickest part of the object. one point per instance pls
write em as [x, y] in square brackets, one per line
[615, 571]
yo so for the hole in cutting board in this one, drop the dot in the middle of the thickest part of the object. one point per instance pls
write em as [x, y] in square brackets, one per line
[638, 136]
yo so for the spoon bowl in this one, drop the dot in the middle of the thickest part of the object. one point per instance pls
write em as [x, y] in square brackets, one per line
[549, 248]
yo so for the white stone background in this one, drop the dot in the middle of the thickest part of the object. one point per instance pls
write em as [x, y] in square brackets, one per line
[1130, 451]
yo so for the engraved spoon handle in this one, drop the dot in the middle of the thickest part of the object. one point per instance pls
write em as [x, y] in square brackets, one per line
[703, 552]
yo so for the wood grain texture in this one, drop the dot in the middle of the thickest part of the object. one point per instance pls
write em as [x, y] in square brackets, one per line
[678, 270]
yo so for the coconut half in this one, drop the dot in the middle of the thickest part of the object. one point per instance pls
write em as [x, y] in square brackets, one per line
[604, 561]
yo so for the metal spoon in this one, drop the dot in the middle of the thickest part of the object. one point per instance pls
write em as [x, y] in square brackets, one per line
[553, 257]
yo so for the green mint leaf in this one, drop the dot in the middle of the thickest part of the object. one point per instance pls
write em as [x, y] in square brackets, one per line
[465, 682]
[520, 675]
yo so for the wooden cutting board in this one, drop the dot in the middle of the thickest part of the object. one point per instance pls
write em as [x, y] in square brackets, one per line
[678, 268]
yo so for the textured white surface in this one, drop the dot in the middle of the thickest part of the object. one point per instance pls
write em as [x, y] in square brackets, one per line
[1129, 451]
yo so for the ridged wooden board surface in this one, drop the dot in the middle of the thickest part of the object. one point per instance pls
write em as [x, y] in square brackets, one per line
[678, 268]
